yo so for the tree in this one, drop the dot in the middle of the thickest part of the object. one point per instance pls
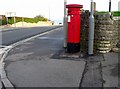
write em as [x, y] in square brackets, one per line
[40, 18]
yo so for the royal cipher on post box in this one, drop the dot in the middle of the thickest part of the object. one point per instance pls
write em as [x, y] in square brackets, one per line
[73, 35]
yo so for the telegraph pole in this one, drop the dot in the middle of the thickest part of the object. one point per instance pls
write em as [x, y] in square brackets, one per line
[65, 24]
[0, 33]
[0, 20]
[49, 14]
[7, 20]
[22, 21]
[14, 19]
[110, 6]
[91, 30]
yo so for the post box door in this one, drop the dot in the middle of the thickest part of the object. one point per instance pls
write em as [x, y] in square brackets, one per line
[74, 28]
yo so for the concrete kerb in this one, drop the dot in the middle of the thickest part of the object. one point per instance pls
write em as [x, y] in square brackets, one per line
[0, 76]
[6, 29]
[14, 28]
[4, 78]
[3, 75]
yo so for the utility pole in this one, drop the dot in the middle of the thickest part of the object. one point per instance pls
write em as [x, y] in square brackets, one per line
[65, 24]
[7, 20]
[22, 21]
[49, 13]
[91, 30]
[14, 19]
[0, 20]
[7, 13]
[110, 6]
[0, 37]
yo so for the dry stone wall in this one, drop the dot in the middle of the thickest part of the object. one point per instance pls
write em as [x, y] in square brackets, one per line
[84, 31]
[106, 32]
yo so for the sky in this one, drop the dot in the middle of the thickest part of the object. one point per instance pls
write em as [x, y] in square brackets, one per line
[53, 9]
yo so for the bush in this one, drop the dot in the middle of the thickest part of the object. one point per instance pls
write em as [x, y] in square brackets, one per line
[40, 18]
[4, 22]
[28, 20]
[115, 13]
[102, 12]
[10, 20]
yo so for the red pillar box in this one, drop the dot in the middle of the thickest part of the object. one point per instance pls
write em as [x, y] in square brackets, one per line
[73, 39]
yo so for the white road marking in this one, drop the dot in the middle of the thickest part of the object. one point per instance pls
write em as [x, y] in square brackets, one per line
[49, 38]
[5, 50]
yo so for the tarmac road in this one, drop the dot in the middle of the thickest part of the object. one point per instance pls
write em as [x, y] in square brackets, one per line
[31, 64]
[12, 36]
[37, 63]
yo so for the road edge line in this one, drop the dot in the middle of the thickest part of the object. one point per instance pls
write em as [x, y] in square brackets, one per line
[4, 77]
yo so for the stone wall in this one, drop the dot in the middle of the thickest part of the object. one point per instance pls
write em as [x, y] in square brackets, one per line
[106, 32]
[84, 31]
[117, 25]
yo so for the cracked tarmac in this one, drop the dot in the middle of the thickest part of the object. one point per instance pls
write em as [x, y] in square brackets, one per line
[32, 64]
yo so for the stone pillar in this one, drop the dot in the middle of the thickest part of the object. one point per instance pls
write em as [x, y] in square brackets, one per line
[84, 31]
[106, 34]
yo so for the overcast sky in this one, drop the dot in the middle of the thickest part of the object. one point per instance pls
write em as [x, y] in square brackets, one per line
[31, 8]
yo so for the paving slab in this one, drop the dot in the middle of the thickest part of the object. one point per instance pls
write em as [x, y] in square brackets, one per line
[92, 77]
[110, 70]
[46, 73]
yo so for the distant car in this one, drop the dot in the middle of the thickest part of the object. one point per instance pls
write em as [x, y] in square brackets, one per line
[60, 23]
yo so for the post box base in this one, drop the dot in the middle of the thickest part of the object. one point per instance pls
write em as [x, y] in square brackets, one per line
[73, 47]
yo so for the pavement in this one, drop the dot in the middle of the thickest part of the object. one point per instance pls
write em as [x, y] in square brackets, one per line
[38, 63]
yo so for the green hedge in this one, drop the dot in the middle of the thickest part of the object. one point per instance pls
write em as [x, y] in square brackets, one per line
[28, 20]
[115, 13]
[102, 12]
[10, 20]
[3, 22]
